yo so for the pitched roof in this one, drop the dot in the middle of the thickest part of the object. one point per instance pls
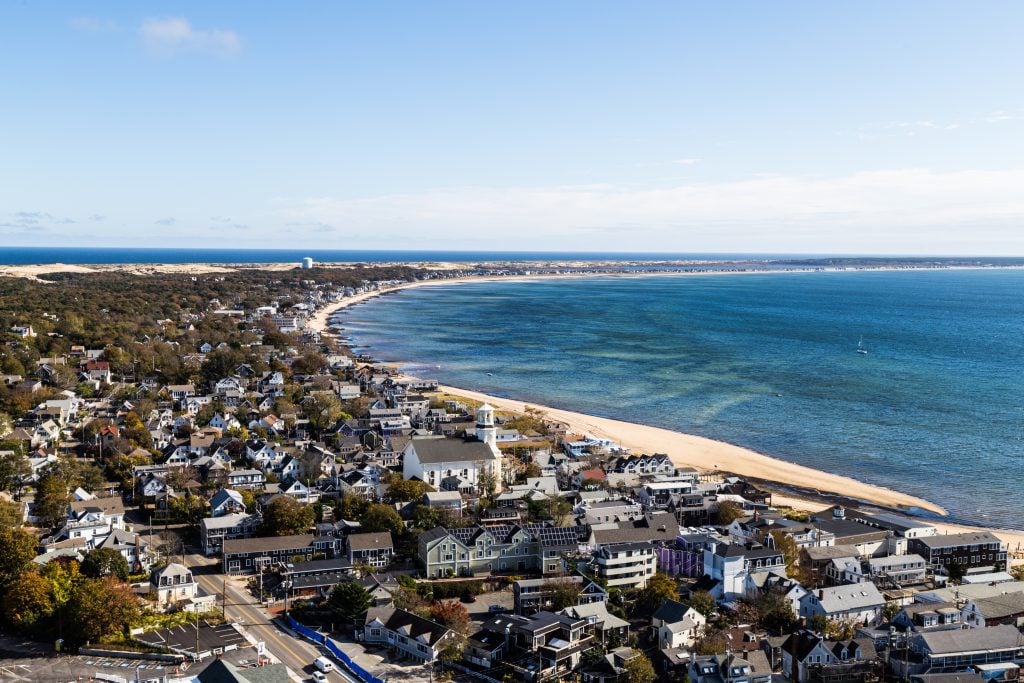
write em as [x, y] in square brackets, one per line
[671, 611]
[408, 624]
[950, 540]
[1001, 606]
[271, 543]
[964, 641]
[370, 541]
[433, 450]
[849, 597]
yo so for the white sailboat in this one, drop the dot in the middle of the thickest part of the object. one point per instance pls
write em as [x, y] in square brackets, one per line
[860, 346]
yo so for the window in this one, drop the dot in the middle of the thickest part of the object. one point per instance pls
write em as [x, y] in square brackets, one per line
[375, 632]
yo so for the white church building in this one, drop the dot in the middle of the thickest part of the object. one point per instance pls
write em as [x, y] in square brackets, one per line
[455, 464]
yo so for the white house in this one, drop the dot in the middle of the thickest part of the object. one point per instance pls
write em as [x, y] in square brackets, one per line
[733, 567]
[412, 635]
[173, 585]
[859, 603]
[676, 625]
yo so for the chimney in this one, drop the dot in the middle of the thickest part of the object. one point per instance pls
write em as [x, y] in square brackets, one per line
[821, 594]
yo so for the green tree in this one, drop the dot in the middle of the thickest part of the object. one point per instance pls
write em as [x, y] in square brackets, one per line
[17, 549]
[726, 513]
[14, 467]
[322, 409]
[702, 602]
[381, 517]
[64, 576]
[403, 490]
[639, 669]
[348, 600]
[10, 514]
[28, 603]
[775, 611]
[564, 593]
[660, 587]
[52, 497]
[790, 552]
[101, 607]
[248, 500]
[487, 485]
[100, 562]
[286, 516]
[188, 509]
[453, 648]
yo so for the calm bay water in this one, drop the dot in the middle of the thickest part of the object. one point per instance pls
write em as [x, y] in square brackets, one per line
[767, 361]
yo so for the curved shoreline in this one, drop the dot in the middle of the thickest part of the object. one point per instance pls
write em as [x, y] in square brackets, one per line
[691, 450]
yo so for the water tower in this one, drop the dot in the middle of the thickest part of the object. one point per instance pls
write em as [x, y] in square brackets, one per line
[307, 263]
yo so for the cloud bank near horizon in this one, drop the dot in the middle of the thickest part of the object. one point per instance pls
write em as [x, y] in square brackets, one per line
[907, 211]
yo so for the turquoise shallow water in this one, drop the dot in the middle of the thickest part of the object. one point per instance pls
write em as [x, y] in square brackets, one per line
[936, 408]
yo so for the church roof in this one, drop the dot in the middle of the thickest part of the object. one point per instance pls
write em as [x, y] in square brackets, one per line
[433, 451]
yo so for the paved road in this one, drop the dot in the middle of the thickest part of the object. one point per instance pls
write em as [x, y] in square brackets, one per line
[241, 607]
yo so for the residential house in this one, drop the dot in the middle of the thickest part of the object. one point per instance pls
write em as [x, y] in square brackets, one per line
[675, 625]
[172, 585]
[730, 668]
[499, 548]
[967, 550]
[132, 547]
[375, 549]
[405, 633]
[859, 603]
[245, 555]
[535, 595]
[88, 519]
[609, 629]
[732, 568]
[625, 565]
[948, 651]
[246, 479]
[807, 657]
[226, 501]
[1000, 609]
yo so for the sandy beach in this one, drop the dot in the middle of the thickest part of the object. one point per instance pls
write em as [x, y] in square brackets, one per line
[688, 450]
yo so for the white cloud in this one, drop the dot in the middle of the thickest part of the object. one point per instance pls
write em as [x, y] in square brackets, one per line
[171, 35]
[886, 211]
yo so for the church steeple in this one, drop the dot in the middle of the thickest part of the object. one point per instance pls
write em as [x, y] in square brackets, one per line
[485, 429]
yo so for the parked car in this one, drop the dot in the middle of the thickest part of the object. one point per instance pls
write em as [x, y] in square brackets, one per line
[318, 677]
[497, 609]
[468, 597]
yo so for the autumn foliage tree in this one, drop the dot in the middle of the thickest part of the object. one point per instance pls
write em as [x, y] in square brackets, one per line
[28, 604]
[660, 587]
[101, 607]
[451, 614]
[639, 669]
[17, 548]
[286, 516]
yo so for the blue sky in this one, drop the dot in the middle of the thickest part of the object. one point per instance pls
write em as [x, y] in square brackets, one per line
[868, 127]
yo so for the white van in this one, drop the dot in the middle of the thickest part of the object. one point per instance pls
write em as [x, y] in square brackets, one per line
[324, 664]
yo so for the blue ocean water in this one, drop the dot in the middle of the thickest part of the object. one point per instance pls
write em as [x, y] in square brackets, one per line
[108, 255]
[767, 361]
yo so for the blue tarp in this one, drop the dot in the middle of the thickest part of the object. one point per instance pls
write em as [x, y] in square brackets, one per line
[337, 652]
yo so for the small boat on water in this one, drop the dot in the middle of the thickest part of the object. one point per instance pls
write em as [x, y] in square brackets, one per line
[860, 347]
